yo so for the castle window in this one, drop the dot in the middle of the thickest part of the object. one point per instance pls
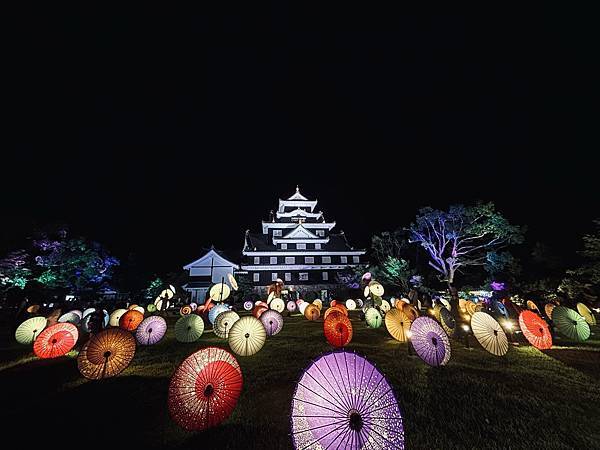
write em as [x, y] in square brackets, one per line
[326, 259]
[355, 259]
[301, 246]
[290, 260]
[273, 259]
[283, 246]
[317, 246]
[309, 260]
[288, 276]
[276, 232]
[343, 259]
[320, 232]
[303, 276]
[257, 260]
[325, 276]
[256, 277]
[273, 276]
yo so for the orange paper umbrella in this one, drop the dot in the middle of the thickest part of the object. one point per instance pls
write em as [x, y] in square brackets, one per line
[471, 308]
[312, 312]
[338, 330]
[130, 320]
[333, 303]
[56, 340]
[106, 354]
[532, 306]
[462, 304]
[258, 310]
[333, 309]
[33, 309]
[535, 329]
[410, 311]
[204, 389]
[185, 310]
[398, 324]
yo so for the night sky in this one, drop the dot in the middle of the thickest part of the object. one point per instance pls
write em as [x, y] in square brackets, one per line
[160, 134]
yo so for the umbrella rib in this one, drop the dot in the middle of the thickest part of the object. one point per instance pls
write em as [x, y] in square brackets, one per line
[341, 410]
[315, 404]
[339, 400]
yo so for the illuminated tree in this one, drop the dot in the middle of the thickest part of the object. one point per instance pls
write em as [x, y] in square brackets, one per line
[72, 263]
[390, 267]
[14, 270]
[154, 288]
[462, 238]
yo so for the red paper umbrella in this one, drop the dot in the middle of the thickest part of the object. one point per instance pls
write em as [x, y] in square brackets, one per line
[342, 308]
[535, 329]
[258, 310]
[204, 389]
[56, 340]
[338, 330]
[333, 303]
[334, 309]
[130, 320]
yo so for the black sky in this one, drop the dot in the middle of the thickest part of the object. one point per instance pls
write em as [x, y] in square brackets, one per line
[160, 134]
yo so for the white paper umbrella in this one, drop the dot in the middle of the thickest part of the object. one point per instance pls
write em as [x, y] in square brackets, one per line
[247, 336]
[489, 333]
[277, 304]
[113, 321]
[219, 292]
[224, 322]
[350, 304]
[29, 330]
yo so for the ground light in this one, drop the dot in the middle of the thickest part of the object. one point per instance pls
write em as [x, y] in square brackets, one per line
[408, 336]
[466, 329]
[509, 327]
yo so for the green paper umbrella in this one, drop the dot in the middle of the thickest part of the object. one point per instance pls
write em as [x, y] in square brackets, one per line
[29, 330]
[189, 328]
[373, 318]
[570, 324]
[151, 308]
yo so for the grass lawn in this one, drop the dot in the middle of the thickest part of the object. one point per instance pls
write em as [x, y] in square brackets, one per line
[527, 399]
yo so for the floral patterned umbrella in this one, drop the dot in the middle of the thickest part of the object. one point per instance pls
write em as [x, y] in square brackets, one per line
[204, 389]
[56, 340]
[151, 330]
[535, 329]
[343, 402]
[224, 322]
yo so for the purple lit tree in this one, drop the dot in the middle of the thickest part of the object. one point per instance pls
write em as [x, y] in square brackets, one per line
[461, 238]
[14, 270]
[72, 263]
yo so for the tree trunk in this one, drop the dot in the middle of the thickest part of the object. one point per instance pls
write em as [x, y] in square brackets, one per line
[458, 317]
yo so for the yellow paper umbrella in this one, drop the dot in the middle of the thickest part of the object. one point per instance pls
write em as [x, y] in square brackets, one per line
[489, 333]
[471, 308]
[232, 281]
[385, 306]
[29, 330]
[410, 311]
[224, 322]
[532, 306]
[462, 304]
[398, 324]
[277, 304]
[113, 320]
[586, 313]
[219, 292]
[318, 303]
[446, 303]
[435, 312]
[376, 288]
[548, 307]
[312, 312]
[133, 306]
[247, 336]
[166, 293]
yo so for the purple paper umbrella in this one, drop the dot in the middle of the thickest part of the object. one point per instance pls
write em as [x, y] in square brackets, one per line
[430, 341]
[248, 305]
[151, 330]
[343, 401]
[272, 321]
[291, 306]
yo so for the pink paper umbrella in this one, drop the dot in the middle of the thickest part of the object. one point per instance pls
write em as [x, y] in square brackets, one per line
[151, 330]
[343, 401]
[272, 321]
[430, 341]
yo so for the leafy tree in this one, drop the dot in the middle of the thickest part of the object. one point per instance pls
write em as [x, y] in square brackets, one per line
[390, 267]
[72, 263]
[463, 237]
[154, 288]
[15, 270]
[591, 251]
